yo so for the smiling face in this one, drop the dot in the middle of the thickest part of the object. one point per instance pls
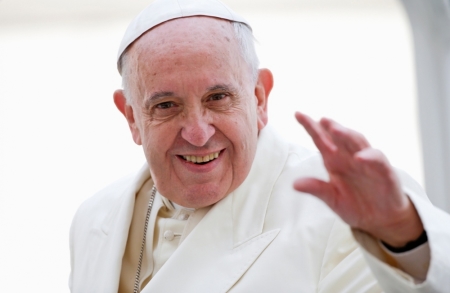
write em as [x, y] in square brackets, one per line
[195, 108]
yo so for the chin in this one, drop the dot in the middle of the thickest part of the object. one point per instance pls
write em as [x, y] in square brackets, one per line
[203, 196]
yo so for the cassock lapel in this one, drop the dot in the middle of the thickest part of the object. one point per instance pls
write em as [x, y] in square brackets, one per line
[230, 237]
[114, 234]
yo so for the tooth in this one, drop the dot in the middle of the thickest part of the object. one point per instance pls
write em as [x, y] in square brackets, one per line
[204, 159]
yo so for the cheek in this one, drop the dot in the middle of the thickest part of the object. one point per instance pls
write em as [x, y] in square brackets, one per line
[245, 135]
[252, 120]
[245, 152]
[156, 143]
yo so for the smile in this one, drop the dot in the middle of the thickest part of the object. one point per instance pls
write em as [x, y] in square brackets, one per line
[201, 159]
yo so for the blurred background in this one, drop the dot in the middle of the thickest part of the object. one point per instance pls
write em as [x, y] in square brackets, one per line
[61, 138]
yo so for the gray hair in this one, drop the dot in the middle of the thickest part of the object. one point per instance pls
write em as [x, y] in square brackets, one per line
[246, 42]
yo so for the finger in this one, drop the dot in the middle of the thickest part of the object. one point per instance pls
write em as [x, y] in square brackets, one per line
[343, 137]
[316, 187]
[319, 136]
[383, 177]
[375, 164]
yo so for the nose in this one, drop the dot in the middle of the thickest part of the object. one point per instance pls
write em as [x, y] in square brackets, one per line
[197, 129]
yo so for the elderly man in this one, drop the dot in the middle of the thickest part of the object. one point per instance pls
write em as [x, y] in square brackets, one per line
[215, 210]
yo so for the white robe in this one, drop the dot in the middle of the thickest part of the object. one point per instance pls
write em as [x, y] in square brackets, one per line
[263, 237]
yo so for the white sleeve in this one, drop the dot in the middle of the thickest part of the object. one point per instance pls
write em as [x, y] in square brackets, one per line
[387, 269]
[414, 262]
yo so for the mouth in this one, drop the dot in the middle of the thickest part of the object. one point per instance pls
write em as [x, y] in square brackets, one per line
[201, 160]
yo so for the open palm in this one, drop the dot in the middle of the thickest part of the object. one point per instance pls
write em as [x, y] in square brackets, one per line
[363, 188]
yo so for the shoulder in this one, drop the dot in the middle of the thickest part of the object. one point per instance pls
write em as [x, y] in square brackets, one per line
[96, 208]
[301, 210]
[303, 162]
[103, 199]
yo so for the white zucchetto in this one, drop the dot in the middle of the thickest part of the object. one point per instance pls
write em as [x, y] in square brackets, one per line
[163, 10]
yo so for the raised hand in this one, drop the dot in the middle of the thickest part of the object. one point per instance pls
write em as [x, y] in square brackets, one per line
[363, 188]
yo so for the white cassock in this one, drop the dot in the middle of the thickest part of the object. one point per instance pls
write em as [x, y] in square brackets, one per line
[263, 237]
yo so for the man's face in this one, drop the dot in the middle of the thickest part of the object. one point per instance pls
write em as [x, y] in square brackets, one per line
[194, 108]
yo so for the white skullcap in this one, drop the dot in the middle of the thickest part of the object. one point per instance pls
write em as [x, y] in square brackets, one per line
[163, 10]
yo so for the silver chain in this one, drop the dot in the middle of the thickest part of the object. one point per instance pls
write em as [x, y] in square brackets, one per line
[141, 254]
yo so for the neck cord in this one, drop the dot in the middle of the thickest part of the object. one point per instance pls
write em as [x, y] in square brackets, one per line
[141, 254]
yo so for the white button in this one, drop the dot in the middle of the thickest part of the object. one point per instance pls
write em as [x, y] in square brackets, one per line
[183, 217]
[168, 235]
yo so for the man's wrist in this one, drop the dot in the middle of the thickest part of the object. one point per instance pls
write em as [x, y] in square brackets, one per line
[409, 246]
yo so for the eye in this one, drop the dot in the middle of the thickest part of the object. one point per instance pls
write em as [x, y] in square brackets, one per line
[165, 105]
[165, 110]
[217, 97]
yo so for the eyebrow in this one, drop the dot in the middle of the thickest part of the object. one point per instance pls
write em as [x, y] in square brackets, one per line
[157, 96]
[222, 87]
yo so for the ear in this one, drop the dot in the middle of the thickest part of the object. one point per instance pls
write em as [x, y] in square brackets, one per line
[127, 110]
[262, 90]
